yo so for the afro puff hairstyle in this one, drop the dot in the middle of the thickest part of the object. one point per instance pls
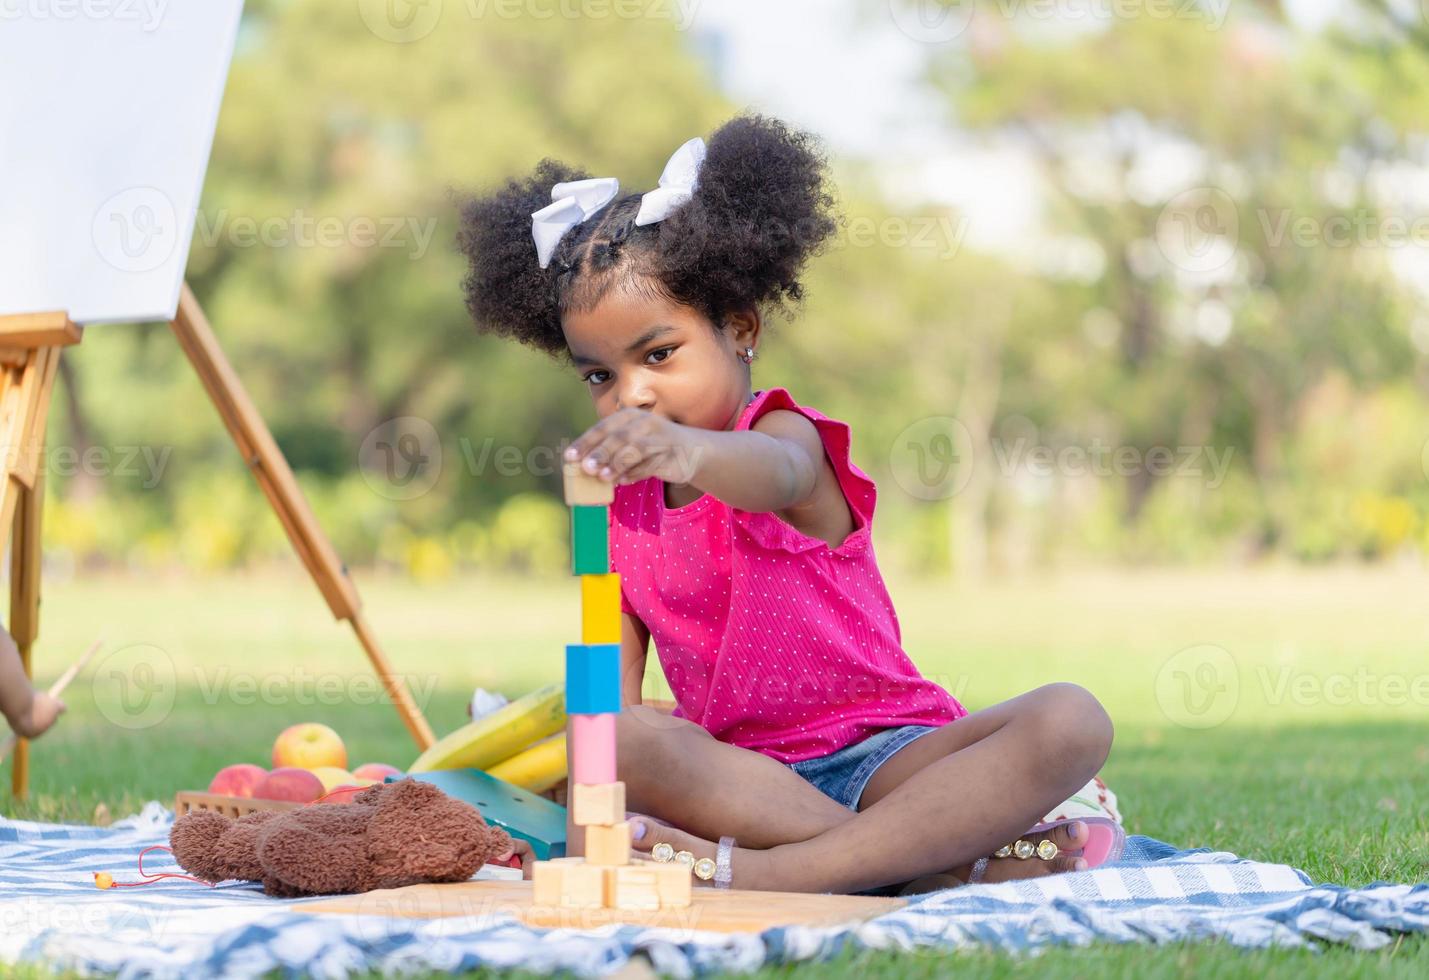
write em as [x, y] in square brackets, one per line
[760, 209]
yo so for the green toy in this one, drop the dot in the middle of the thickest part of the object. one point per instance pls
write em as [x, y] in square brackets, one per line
[517, 811]
[590, 536]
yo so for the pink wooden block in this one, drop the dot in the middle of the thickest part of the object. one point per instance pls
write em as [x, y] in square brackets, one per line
[593, 749]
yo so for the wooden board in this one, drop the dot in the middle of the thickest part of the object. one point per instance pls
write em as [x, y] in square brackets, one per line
[24, 330]
[714, 910]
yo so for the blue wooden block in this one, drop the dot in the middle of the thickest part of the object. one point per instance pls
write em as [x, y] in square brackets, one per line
[590, 540]
[517, 811]
[592, 678]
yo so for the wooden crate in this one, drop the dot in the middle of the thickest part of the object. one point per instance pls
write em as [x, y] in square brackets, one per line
[229, 806]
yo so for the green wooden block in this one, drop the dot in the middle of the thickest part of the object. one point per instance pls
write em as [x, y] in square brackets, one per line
[590, 540]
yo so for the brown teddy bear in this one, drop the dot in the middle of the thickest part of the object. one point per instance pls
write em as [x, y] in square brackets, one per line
[390, 835]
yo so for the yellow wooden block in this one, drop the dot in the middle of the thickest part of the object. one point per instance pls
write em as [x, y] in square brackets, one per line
[600, 608]
[598, 804]
[568, 883]
[609, 846]
[583, 488]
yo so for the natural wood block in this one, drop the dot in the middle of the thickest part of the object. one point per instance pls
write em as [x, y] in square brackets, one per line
[675, 884]
[602, 805]
[590, 540]
[568, 883]
[647, 885]
[600, 608]
[583, 488]
[609, 845]
[633, 887]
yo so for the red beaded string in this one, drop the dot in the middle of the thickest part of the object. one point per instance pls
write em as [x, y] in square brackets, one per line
[103, 880]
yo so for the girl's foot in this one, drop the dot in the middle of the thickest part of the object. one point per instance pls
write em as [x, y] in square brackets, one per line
[34, 719]
[656, 832]
[1069, 837]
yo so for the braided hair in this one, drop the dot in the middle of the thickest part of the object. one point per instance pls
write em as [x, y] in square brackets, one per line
[760, 209]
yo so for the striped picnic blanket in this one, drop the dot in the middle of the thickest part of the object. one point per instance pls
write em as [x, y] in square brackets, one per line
[51, 912]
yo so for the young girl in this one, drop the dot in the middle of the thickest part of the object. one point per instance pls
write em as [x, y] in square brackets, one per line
[742, 533]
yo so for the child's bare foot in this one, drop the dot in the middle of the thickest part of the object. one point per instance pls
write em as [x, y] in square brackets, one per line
[656, 832]
[34, 719]
[1069, 837]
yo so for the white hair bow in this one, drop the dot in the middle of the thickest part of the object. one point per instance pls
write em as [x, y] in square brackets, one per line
[677, 183]
[572, 202]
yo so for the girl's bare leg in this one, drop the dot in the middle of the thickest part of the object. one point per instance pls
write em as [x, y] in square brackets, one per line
[677, 772]
[974, 785]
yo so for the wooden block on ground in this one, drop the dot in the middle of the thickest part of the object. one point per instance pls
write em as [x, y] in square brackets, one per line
[648, 885]
[592, 678]
[633, 887]
[590, 540]
[608, 846]
[600, 608]
[592, 755]
[600, 805]
[583, 488]
[568, 883]
[675, 884]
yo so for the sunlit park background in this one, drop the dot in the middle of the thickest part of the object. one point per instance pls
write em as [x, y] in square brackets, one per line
[1128, 315]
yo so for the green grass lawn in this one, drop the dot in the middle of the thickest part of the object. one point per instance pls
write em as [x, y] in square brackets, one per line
[1278, 714]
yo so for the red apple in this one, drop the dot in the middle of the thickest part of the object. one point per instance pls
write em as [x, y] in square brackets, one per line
[309, 746]
[376, 771]
[237, 780]
[287, 783]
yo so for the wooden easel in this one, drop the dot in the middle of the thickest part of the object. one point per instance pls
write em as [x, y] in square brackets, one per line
[30, 346]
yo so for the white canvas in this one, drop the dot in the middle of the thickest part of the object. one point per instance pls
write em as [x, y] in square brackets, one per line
[107, 113]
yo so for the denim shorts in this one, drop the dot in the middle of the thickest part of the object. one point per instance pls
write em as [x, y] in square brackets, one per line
[843, 774]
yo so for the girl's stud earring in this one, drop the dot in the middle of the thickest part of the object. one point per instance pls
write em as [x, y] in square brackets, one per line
[748, 355]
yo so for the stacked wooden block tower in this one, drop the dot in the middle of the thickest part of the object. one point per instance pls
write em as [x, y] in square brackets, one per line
[606, 877]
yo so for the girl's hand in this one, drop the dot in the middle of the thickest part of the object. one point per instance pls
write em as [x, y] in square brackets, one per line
[632, 445]
[518, 855]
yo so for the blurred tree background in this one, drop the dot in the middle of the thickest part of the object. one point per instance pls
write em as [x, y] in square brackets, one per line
[1215, 352]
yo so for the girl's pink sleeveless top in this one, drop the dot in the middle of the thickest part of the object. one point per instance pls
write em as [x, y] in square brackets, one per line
[770, 639]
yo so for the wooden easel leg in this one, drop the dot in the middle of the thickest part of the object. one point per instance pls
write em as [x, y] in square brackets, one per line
[270, 468]
[24, 410]
[25, 605]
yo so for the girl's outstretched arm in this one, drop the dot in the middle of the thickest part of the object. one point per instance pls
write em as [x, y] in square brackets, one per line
[778, 466]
